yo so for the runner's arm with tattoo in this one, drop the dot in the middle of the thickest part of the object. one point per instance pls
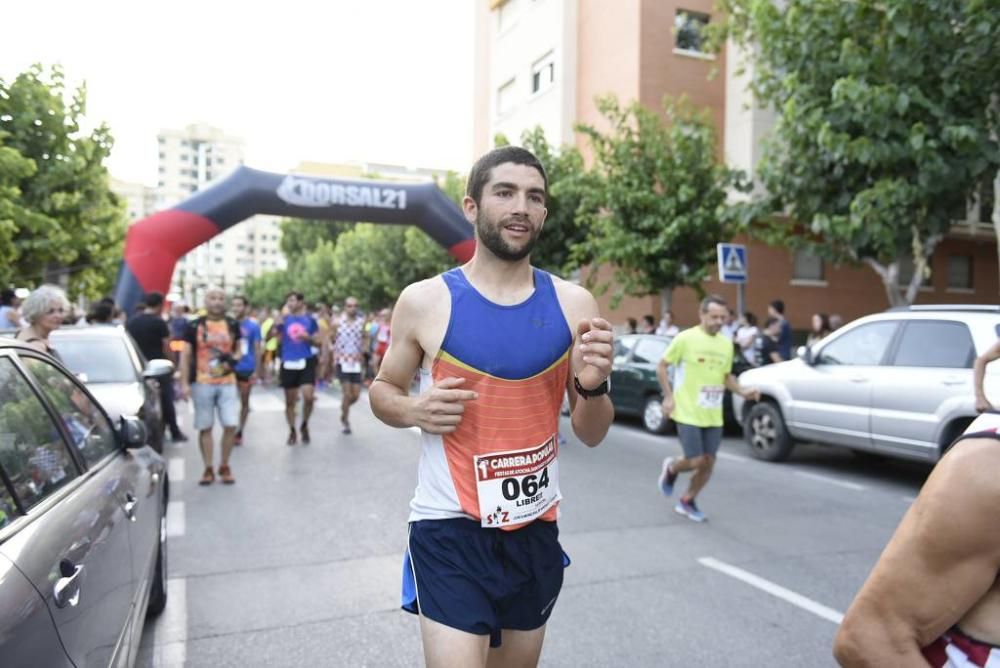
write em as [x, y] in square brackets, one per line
[943, 558]
[440, 408]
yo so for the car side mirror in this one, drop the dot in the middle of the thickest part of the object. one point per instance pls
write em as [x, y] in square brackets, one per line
[159, 369]
[132, 431]
[805, 354]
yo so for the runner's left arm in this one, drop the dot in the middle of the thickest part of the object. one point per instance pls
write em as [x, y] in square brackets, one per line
[942, 560]
[733, 385]
[590, 363]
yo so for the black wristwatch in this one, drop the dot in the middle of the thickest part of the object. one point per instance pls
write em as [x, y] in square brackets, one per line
[603, 388]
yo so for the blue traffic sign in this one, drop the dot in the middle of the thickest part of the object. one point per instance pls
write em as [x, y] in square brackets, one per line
[732, 260]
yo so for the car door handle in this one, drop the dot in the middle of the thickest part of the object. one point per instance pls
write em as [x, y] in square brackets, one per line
[858, 379]
[67, 588]
[130, 503]
[953, 381]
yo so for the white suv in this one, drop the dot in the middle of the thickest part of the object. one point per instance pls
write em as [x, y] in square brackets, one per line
[897, 383]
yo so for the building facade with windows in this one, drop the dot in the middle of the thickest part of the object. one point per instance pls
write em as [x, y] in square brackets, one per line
[543, 62]
[190, 160]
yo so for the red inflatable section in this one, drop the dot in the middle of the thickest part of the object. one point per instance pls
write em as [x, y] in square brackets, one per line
[154, 244]
[463, 250]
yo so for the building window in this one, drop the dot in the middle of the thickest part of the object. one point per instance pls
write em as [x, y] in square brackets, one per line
[543, 73]
[807, 267]
[505, 98]
[688, 31]
[960, 272]
[507, 14]
[184, 157]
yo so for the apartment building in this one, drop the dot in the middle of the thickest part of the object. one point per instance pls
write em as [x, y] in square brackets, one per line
[543, 62]
[191, 160]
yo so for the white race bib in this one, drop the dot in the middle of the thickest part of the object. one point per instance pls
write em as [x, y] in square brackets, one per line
[710, 396]
[350, 367]
[244, 348]
[294, 365]
[517, 486]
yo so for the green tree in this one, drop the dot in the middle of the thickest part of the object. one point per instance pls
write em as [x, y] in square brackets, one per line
[886, 123]
[561, 247]
[59, 220]
[300, 236]
[269, 289]
[658, 206]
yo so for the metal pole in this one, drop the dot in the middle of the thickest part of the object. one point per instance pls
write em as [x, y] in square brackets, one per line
[740, 298]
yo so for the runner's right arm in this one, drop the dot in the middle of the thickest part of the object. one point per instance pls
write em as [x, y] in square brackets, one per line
[438, 410]
[672, 355]
[979, 375]
[942, 560]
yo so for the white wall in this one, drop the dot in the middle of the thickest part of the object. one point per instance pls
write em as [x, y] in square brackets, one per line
[530, 29]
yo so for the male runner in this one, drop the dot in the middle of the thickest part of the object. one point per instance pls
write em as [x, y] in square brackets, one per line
[705, 361]
[933, 598]
[208, 360]
[495, 350]
[299, 332]
[249, 358]
[350, 341]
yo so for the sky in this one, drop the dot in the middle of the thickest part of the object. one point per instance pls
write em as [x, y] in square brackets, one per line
[386, 81]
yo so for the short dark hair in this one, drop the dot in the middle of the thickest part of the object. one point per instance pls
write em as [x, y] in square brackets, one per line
[483, 168]
[770, 321]
[712, 299]
[295, 293]
[750, 318]
[7, 297]
[778, 306]
[101, 312]
[649, 319]
[153, 299]
[246, 302]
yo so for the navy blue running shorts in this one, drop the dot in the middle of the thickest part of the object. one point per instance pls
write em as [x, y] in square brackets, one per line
[481, 581]
[698, 441]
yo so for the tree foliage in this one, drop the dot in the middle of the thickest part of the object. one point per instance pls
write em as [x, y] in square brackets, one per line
[59, 221]
[658, 205]
[886, 123]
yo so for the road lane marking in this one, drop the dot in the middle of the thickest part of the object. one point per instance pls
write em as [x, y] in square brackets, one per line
[175, 519]
[832, 481]
[172, 626]
[732, 458]
[176, 470]
[773, 589]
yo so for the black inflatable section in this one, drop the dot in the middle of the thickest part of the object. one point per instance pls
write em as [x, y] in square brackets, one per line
[155, 244]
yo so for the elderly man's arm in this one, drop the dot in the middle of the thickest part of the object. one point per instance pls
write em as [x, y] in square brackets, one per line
[934, 569]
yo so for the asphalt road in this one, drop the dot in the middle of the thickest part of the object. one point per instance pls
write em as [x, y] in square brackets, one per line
[298, 563]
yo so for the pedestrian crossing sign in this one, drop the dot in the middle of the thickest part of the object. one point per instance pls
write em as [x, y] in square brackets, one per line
[732, 260]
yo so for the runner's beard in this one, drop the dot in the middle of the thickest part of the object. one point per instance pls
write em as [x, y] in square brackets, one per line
[490, 236]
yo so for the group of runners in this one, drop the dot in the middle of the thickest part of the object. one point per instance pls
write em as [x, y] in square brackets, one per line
[224, 352]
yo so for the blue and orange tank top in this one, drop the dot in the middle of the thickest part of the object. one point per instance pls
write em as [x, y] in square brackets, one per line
[517, 358]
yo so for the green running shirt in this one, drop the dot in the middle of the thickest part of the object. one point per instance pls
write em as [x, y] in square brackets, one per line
[703, 361]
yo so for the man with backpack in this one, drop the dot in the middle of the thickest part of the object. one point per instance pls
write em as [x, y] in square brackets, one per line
[209, 361]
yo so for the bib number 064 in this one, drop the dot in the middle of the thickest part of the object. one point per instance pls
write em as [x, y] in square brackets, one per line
[512, 488]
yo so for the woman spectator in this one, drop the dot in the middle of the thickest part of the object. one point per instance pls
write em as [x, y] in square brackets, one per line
[820, 328]
[43, 311]
[746, 337]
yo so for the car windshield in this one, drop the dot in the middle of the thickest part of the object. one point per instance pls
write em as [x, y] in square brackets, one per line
[98, 360]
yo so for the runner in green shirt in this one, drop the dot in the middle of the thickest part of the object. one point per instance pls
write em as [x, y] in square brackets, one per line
[705, 361]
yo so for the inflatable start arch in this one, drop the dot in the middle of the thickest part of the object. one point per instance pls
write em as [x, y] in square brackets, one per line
[154, 244]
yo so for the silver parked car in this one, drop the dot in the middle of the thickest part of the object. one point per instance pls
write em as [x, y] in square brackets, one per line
[108, 361]
[897, 383]
[82, 521]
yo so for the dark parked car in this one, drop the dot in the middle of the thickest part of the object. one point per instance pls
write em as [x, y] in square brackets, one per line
[109, 363]
[635, 391]
[82, 521]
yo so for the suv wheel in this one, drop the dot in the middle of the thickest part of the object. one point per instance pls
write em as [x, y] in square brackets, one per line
[766, 434]
[653, 418]
[158, 592]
